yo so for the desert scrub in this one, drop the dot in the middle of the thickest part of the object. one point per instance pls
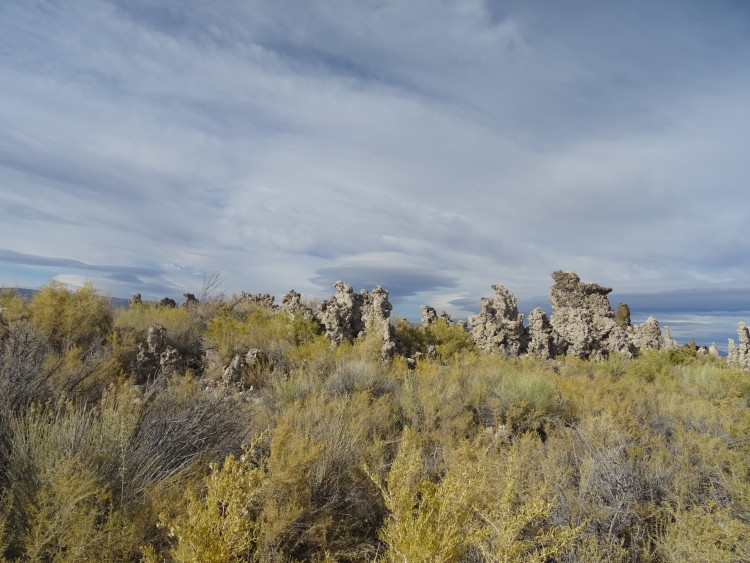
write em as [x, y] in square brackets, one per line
[264, 329]
[517, 394]
[219, 522]
[482, 504]
[430, 399]
[449, 339]
[64, 475]
[71, 318]
[184, 332]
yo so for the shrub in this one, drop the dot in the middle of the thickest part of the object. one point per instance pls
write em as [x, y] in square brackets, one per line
[483, 504]
[411, 338]
[449, 339]
[63, 462]
[179, 425]
[184, 332]
[426, 521]
[513, 393]
[220, 523]
[71, 318]
[704, 533]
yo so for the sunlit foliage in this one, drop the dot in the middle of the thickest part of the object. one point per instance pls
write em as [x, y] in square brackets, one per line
[332, 454]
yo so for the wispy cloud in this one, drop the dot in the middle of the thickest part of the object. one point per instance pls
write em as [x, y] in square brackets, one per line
[442, 145]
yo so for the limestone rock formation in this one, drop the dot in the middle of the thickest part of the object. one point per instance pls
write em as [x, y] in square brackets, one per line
[429, 316]
[341, 315]
[499, 326]
[136, 299]
[541, 336]
[168, 302]
[346, 315]
[376, 312]
[586, 324]
[261, 299]
[739, 354]
[190, 301]
[619, 340]
[582, 316]
[669, 344]
[647, 335]
[292, 304]
[232, 374]
[156, 356]
[622, 315]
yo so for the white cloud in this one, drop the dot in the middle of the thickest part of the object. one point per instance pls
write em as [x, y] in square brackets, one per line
[461, 144]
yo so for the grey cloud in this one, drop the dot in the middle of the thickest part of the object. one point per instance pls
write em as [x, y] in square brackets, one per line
[36, 260]
[495, 139]
[401, 281]
[699, 300]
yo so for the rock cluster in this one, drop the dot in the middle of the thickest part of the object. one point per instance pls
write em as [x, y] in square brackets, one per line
[292, 304]
[429, 316]
[583, 318]
[232, 374]
[347, 315]
[739, 354]
[499, 326]
[582, 324]
[190, 301]
[156, 356]
[669, 343]
[542, 339]
[260, 299]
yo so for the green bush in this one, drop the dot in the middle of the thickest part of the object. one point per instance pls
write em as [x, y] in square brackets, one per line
[71, 318]
[184, 331]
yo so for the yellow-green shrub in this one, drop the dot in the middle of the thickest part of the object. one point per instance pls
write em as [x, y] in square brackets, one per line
[184, 331]
[219, 524]
[449, 339]
[484, 502]
[71, 318]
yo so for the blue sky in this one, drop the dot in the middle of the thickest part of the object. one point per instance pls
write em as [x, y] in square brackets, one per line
[434, 147]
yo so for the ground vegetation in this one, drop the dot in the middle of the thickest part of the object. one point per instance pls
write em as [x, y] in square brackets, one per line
[238, 432]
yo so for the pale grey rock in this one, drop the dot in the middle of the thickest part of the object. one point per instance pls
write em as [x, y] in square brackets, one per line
[347, 315]
[582, 317]
[233, 372]
[584, 324]
[620, 340]
[341, 315]
[292, 304]
[498, 327]
[190, 301]
[429, 316]
[431, 352]
[739, 354]
[157, 356]
[669, 343]
[376, 310]
[260, 299]
[647, 335]
[541, 336]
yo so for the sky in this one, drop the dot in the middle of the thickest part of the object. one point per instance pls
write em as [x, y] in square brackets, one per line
[432, 147]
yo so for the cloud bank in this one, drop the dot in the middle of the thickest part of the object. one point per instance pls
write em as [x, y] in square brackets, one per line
[435, 148]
